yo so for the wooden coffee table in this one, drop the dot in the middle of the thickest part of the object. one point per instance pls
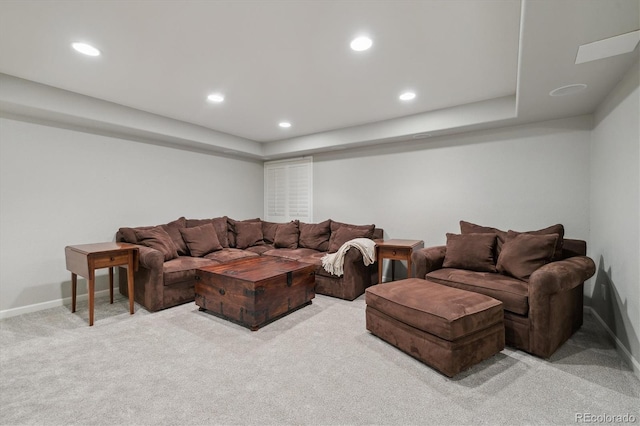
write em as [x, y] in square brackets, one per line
[255, 291]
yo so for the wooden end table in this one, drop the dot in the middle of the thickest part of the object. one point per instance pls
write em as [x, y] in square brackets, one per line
[84, 259]
[396, 250]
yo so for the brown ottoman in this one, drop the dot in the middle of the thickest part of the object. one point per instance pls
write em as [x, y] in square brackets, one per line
[446, 328]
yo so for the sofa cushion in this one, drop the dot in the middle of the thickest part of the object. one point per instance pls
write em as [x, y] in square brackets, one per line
[260, 249]
[470, 251]
[443, 311]
[472, 228]
[368, 228]
[248, 234]
[173, 229]
[228, 254]
[468, 228]
[201, 240]
[315, 235]
[269, 231]
[231, 229]
[157, 238]
[344, 234]
[219, 224]
[551, 230]
[287, 235]
[513, 293]
[183, 268]
[522, 254]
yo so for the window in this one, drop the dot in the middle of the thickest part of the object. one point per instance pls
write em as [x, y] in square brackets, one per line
[288, 190]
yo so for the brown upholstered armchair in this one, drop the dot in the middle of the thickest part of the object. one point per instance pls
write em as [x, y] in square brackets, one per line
[539, 315]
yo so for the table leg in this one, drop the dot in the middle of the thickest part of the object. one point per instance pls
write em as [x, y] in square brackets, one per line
[130, 289]
[393, 269]
[409, 266]
[74, 284]
[111, 284]
[92, 288]
[379, 269]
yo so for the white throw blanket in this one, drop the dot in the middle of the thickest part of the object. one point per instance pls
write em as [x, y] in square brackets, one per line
[334, 262]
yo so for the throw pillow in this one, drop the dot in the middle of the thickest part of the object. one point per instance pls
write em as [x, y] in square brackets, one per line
[368, 228]
[201, 240]
[553, 229]
[157, 238]
[467, 228]
[315, 235]
[473, 252]
[269, 231]
[472, 228]
[128, 235]
[287, 235]
[248, 234]
[231, 229]
[523, 253]
[219, 224]
[344, 234]
[173, 229]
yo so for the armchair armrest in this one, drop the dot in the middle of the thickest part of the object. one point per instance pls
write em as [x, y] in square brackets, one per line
[562, 275]
[427, 259]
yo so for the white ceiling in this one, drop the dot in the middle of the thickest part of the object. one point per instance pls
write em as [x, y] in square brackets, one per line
[471, 63]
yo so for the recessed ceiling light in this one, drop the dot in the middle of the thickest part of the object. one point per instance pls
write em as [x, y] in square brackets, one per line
[85, 49]
[568, 90]
[361, 43]
[215, 97]
[407, 96]
[284, 124]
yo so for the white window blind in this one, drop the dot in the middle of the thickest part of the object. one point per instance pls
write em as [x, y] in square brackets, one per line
[288, 190]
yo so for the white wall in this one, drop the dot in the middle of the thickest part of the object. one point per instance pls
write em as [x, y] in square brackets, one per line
[520, 178]
[615, 214]
[61, 187]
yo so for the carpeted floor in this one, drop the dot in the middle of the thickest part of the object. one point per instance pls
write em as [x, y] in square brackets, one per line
[317, 365]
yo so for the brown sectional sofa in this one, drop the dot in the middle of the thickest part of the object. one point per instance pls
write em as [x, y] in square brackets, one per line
[171, 253]
[538, 276]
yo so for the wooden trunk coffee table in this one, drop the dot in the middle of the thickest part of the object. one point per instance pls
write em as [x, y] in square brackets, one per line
[255, 291]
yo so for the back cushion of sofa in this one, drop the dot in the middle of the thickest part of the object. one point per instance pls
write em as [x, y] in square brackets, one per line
[231, 229]
[315, 235]
[219, 224]
[287, 235]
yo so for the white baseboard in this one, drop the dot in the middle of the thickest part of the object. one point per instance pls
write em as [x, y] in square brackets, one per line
[622, 350]
[7, 313]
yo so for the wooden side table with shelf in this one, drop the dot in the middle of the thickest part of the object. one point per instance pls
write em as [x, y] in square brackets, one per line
[396, 250]
[84, 259]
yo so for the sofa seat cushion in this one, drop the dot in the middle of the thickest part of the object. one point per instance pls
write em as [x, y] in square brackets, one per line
[316, 259]
[228, 254]
[294, 254]
[513, 293]
[443, 311]
[260, 249]
[183, 268]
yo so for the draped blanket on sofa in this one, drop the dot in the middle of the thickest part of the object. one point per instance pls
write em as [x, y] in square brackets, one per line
[334, 262]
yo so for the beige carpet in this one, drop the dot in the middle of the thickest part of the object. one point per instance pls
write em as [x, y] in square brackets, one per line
[318, 365]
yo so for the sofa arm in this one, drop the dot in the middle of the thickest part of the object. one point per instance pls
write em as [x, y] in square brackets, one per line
[150, 258]
[556, 303]
[562, 275]
[427, 259]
